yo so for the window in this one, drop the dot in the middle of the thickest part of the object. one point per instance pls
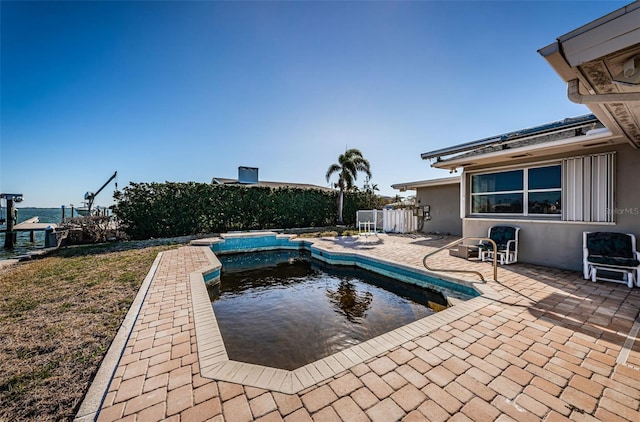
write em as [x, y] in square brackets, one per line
[530, 191]
[545, 190]
[497, 193]
[584, 185]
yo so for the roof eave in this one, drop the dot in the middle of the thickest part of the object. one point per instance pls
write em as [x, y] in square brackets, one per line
[532, 151]
[605, 41]
[426, 183]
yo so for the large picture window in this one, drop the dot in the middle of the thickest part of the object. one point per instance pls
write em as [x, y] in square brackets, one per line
[530, 191]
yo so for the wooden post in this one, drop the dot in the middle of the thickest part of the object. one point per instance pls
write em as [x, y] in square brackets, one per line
[62, 214]
[10, 236]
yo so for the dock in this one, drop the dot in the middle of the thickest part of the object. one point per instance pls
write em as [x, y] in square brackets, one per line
[31, 225]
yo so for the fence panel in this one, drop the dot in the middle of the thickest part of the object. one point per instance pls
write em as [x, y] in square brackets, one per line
[399, 221]
[390, 221]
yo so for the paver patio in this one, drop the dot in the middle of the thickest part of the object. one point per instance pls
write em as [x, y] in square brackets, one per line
[553, 347]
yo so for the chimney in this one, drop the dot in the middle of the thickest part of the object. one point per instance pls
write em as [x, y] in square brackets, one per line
[248, 175]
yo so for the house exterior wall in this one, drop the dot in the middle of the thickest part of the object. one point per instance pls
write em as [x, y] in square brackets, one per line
[559, 243]
[444, 201]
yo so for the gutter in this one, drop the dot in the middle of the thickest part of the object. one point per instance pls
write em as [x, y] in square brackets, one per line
[573, 92]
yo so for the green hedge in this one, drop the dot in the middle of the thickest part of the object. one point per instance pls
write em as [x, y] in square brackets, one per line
[153, 210]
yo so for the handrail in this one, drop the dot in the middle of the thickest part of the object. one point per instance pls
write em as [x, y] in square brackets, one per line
[458, 241]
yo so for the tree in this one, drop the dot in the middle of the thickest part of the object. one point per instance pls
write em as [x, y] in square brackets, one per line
[348, 166]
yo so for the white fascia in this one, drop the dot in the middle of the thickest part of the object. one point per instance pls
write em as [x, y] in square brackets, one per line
[547, 146]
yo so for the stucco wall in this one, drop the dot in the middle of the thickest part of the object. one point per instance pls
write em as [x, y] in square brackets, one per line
[559, 244]
[445, 208]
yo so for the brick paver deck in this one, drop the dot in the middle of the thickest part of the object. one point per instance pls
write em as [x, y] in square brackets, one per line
[553, 347]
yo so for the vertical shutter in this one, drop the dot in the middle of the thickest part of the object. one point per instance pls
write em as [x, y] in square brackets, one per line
[587, 188]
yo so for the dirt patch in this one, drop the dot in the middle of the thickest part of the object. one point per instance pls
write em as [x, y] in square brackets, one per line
[58, 316]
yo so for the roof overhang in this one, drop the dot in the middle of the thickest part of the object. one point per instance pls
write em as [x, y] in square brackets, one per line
[600, 62]
[598, 139]
[426, 183]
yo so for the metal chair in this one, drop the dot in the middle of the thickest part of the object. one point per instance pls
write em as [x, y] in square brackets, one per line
[610, 256]
[506, 238]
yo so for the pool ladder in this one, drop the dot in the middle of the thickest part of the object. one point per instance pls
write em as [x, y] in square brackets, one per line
[457, 242]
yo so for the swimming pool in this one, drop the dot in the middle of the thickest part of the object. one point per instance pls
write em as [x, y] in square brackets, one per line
[215, 363]
[284, 309]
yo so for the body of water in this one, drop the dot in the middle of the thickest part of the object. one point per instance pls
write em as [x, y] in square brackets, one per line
[24, 245]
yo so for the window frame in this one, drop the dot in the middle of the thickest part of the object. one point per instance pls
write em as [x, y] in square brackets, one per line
[524, 191]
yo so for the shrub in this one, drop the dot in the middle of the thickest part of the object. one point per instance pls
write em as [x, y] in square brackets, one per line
[152, 210]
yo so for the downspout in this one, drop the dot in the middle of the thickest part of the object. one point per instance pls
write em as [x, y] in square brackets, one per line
[573, 92]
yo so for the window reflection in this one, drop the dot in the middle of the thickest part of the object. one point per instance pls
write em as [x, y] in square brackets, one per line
[498, 203]
[498, 182]
[545, 178]
[545, 202]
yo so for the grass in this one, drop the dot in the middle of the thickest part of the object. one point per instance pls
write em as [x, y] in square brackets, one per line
[58, 316]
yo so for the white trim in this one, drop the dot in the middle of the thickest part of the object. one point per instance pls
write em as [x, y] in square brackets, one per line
[544, 221]
[463, 193]
[543, 163]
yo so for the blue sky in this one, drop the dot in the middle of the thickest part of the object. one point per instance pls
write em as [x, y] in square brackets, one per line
[187, 91]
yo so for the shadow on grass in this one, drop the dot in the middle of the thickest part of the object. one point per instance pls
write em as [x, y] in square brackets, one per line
[104, 248]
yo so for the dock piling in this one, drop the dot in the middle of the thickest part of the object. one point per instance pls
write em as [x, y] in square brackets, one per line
[11, 237]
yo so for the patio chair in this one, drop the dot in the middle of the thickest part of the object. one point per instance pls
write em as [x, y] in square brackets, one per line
[506, 238]
[367, 228]
[610, 256]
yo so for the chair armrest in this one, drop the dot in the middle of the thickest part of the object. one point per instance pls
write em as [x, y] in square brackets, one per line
[509, 242]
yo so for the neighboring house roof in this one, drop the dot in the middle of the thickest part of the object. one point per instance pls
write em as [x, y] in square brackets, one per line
[426, 183]
[600, 62]
[264, 183]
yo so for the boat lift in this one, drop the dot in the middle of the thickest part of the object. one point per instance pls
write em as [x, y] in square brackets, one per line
[89, 197]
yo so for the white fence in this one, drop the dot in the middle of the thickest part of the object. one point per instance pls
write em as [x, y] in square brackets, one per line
[389, 221]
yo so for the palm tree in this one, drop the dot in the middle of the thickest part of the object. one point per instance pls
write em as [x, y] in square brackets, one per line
[348, 166]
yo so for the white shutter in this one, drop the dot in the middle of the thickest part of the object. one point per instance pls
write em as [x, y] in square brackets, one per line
[587, 188]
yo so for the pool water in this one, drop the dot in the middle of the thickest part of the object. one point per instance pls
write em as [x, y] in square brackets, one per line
[285, 309]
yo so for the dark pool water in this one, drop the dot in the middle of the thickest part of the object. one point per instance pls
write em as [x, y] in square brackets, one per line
[284, 309]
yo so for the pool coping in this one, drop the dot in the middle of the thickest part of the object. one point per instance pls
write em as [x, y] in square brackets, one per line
[215, 363]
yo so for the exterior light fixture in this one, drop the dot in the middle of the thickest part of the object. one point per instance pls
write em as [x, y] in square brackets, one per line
[630, 75]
